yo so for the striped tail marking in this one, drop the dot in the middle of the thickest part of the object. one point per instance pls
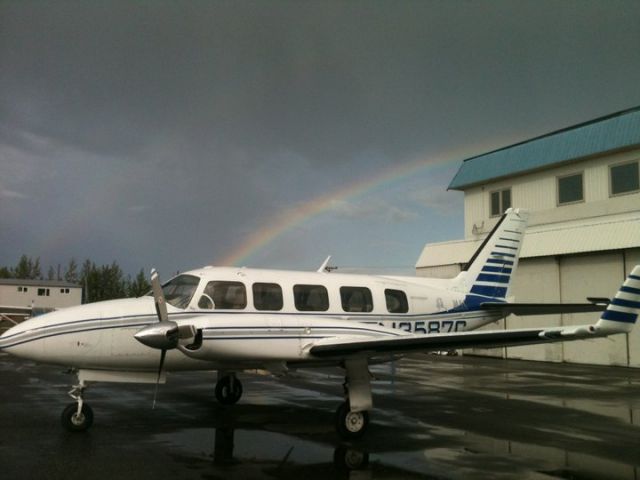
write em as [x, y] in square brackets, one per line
[495, 275]
[622, 312]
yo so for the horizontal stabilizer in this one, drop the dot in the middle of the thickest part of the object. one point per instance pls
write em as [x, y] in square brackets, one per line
[541, 308]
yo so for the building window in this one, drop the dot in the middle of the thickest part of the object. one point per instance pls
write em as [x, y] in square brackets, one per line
[624, 178]
[500, 201]
[43, 292]
[570, 189]
[356, 299]
[23, 289]
[311, 298]
[64, 290]
[267, 296]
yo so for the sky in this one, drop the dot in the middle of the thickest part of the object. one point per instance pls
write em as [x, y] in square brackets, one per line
[271, 134]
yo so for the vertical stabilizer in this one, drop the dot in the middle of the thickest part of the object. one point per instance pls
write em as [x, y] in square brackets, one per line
[622, 312]
[490, 271]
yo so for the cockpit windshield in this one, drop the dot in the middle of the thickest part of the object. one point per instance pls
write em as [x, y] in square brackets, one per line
[179, 290]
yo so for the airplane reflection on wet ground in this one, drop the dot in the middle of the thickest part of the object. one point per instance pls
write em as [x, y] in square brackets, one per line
[434, 417]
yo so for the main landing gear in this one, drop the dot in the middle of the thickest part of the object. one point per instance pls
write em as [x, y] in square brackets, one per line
[77, 417]
[352, 416]
[228, 389]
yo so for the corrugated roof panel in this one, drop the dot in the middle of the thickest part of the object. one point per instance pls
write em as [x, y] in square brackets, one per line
[615, 132]
[580, 236]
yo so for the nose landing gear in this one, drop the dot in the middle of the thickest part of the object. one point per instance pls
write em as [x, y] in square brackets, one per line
[77, 417]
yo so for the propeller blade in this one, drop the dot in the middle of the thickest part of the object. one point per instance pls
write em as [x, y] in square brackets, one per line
[158, 296]
[163, 354]
[165, 334]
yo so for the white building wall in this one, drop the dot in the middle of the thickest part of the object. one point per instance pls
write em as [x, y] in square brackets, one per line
[11, 297]
[537, 192]
[537, 280]
[592, 275]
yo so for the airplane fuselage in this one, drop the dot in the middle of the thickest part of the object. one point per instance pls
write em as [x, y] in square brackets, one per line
[247, 318]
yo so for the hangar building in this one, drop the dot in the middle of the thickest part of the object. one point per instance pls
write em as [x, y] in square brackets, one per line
[582, 187]
[20, 299]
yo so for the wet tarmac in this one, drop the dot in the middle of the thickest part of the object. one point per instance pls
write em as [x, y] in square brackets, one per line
[435, 418]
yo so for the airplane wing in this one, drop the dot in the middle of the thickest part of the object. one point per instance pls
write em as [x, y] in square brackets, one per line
[619, 317]
[341, 347]
[544, 308]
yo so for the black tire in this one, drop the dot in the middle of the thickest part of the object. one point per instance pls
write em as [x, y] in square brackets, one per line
[347, 459]
[228, 390]
[351, 425]
[73, 422]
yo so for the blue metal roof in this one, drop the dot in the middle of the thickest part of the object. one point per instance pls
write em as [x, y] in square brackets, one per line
[614, 132]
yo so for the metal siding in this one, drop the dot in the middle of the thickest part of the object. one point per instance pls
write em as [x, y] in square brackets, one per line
[580, 236]
[449, 253]
[596, 182]
[445, 271]
[475, 210]
[622, 131]
[527, 287]
[592, 275]
[632, 258]
[537, 192]
[586, 236]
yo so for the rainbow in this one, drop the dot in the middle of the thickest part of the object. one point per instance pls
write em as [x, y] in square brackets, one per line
[287, 219]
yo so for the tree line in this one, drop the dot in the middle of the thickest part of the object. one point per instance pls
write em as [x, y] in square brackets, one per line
[99, 282]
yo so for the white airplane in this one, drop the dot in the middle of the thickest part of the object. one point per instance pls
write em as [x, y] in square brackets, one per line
[234, 319]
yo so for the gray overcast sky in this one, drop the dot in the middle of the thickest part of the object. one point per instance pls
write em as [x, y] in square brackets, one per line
[166, 134]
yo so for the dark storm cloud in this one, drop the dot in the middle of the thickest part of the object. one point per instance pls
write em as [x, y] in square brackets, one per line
[191, 123]
[323, 79]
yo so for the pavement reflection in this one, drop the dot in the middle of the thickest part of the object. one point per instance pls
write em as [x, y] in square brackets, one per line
[457, 418]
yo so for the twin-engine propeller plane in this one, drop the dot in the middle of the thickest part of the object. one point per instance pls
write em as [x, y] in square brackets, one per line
[234, 319]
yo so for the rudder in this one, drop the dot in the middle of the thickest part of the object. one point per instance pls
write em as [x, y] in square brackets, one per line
[490, 271]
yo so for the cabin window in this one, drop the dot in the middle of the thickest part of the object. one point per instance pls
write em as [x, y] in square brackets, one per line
[179, 290]
[356, 299]
[500, 201]
[311, 298]
[624, 178]
[396, 301]
[267, 296]
[224, 295]
[570, 189]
